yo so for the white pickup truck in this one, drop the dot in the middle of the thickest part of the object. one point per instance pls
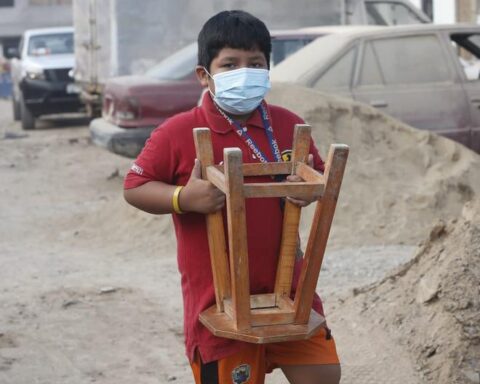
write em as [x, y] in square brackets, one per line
[41, 75]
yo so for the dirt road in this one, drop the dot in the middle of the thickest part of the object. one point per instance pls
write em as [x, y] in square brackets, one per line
[89, 289]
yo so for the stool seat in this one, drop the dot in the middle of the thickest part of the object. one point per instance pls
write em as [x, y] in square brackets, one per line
[221, 325]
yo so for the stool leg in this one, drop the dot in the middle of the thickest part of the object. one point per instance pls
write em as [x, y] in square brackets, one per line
[317, 241]
[215, 229]
[291, 218]
[237, 238]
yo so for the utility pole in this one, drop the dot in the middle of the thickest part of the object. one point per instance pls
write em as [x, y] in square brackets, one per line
[466, 11]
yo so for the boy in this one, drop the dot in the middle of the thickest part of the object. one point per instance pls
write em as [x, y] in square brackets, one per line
[233, 60]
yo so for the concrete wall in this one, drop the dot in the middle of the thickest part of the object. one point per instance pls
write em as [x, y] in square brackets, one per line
[131, 35]
[27, 14]
[163, 26]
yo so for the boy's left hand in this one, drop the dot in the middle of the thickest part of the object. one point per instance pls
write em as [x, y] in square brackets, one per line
[294, 178]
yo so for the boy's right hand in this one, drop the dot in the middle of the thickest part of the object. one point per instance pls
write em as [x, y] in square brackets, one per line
[200, 195]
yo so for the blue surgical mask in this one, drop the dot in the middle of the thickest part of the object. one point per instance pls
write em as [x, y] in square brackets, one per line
[240, 91]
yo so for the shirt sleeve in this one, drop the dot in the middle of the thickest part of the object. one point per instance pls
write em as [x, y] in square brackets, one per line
[156, 162]
[318, 163]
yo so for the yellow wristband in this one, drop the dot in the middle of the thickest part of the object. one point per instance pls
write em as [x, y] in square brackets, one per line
[175, 203]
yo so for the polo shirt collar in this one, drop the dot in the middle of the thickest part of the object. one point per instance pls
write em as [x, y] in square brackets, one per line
[218, 123]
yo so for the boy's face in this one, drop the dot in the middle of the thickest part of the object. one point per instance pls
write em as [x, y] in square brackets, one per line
[229, 59]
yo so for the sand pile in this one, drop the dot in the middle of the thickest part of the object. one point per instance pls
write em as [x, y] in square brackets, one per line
[432, 304]
[398, 181]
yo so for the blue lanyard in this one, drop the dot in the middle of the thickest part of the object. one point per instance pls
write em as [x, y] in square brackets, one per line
[249, 141]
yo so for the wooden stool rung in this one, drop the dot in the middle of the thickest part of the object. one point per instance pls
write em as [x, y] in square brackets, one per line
[255, 169]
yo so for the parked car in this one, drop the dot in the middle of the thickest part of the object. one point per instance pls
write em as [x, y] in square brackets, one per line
[113, 46]
[418, 74]
[42, 84]
[134, 105]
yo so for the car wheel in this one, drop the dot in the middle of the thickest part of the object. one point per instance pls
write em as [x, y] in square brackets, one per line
[28, 120]
[16, 109]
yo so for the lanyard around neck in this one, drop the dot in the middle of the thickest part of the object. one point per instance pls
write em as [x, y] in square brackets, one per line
[242, 133]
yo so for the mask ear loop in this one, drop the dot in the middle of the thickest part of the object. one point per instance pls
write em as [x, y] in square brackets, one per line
[209, 90]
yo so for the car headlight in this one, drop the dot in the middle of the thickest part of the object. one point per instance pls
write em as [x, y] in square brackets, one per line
[35, 74]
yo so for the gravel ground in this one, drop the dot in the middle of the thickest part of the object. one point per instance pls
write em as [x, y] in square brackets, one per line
[348, 268]
[73, 313]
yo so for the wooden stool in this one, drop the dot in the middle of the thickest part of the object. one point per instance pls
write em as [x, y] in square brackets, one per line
[270, 317]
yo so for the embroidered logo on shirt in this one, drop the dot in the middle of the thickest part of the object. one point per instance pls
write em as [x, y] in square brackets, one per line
[287, 155]
[137, 169]
[241, 374]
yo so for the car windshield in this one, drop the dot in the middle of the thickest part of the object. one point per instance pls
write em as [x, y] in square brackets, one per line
[182, 63]
[284, 47]
[176, 66]
[52, 44]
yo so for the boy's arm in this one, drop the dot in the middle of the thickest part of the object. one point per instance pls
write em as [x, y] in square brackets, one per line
[314, 161]
[198, 195]
[294, 178]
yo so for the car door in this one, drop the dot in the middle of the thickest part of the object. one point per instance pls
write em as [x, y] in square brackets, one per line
[338, 76]
[411, 78]
[465, 48]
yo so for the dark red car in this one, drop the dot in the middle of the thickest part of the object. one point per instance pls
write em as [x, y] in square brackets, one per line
[135, 105]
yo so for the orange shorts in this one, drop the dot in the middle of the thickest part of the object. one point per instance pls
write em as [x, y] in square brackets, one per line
[255, 360]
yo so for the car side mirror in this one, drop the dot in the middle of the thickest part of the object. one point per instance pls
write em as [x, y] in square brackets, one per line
[12, 52]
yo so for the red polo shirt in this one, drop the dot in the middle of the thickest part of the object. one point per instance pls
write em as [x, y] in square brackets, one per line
[168, 156]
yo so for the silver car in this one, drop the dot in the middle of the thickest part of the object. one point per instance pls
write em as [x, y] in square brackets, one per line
[424, 75]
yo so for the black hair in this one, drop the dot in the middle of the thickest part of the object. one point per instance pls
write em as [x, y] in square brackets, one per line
[233, 29]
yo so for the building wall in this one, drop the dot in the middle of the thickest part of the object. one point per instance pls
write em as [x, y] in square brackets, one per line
[173, 24]
[128, 39]
[27, 14]
[444, 11]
